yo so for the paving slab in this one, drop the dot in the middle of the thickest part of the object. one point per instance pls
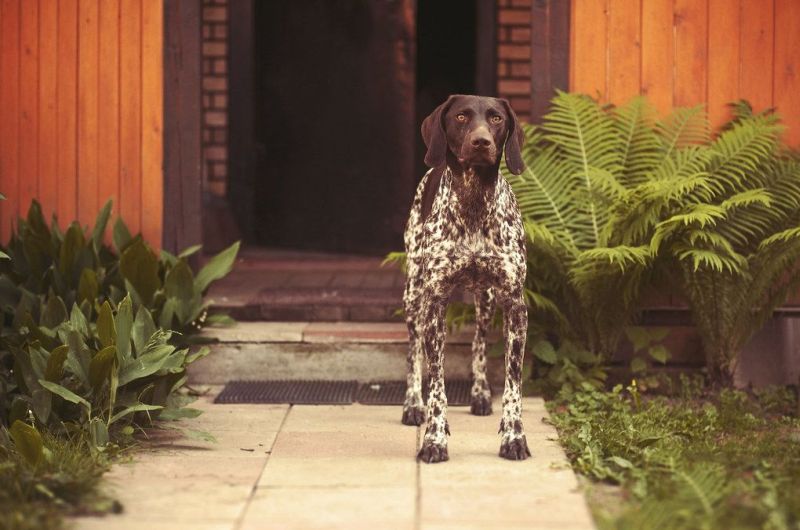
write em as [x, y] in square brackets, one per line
[341, 467]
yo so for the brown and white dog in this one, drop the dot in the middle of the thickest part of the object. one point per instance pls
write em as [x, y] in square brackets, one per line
[465, 229]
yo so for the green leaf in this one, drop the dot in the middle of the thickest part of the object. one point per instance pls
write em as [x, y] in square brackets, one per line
[99, 432]
[28, 442]
[121, 236]
[124, 323]
[199, 354]
[145, 364]
[143, 329]
[78, 357]
[41, 403]
[78, 321]
[66, 394]
[220, 319]
[638, 365]
[139, 266]
[545, 351]
[100, 225]
[140, 407]
[55, 363]
[101, 365]
[660, 353]
[179, 286]
[55, 312]
[73, 243]
[106, 328]
[88, 286]
[217, 267]
[638, 336]
[179, 414]
[3, 255]
[189, 251]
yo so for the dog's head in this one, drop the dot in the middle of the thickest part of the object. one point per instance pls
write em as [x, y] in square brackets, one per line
[474, 130]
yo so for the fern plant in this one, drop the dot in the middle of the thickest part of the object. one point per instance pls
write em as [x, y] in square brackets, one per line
[599, 180]
[737, 250]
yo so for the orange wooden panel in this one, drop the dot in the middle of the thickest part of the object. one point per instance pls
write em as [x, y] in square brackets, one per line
[723, 58]
[152, 121]
[588, 48]
[787, 67]
[658, 53]
[130, 114]
[108, 100]
[87, 110]
[624, 50]
[691, 52]
[756, 34]
[28, 105]
[9, 116]
[66, 113]
[48, 133]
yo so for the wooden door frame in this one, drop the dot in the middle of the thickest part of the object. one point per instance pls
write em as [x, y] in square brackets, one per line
[182, 138]
[550, 30]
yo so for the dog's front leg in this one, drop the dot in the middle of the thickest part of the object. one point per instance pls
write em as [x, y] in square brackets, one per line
[481, 404]
[514, 445]
[434, 444]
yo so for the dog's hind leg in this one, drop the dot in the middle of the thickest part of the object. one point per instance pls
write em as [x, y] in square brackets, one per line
[481, 404]
[414, 406]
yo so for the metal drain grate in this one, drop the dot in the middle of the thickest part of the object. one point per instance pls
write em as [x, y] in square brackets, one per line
[394, 392]
[294, 392]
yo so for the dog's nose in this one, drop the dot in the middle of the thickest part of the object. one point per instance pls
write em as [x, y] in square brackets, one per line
[481, 140]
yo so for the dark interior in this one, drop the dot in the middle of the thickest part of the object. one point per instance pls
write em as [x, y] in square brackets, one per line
[338, 97]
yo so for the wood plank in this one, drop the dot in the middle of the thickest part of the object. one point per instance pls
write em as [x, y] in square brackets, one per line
[130, 118]
[48, 133]
[152, 121]
[624, 50]
[787, 67]
[723, 59]
[108, 113]
[67, 117]
[756, 34]
[658, 53]
[588, 48]
[87, 110]
[9, 115]
[28, 186]
[691, 52]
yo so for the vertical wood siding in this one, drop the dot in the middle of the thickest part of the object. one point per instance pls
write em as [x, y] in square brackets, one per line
[81, 108]
[689, 52]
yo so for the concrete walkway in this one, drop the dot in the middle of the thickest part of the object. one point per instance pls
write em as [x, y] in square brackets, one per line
[342, 467]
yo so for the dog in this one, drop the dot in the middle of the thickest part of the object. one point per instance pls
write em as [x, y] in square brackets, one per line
[465, 229]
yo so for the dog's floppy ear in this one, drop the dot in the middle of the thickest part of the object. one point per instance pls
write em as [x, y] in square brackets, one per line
[514, 141]
[434, 136]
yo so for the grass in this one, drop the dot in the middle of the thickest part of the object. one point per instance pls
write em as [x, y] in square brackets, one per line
[724, 460]
[66, 482]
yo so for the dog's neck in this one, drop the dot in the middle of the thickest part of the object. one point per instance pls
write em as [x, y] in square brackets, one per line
[475, 188]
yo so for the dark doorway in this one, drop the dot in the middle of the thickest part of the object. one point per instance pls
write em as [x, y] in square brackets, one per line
[455, 55]
[333, 124]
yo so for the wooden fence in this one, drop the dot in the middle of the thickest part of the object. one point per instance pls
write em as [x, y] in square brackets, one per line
[81, 110]
[687, 52]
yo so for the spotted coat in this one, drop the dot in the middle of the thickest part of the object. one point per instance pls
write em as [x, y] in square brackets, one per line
[473, 237]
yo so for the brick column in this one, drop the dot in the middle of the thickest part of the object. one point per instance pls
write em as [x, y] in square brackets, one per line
[514, 54]
[215, 96]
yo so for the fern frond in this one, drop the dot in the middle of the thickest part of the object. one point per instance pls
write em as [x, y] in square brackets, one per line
[639, 150]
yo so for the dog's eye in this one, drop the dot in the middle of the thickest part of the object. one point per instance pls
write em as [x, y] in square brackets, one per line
[496, 119]
[461, 117]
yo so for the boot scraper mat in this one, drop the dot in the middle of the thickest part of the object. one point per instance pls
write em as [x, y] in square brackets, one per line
[303, 392]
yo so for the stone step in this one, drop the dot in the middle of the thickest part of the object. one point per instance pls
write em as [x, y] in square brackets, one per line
[364, 351]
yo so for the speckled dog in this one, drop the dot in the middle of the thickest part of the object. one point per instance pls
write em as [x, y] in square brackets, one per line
[465, 229]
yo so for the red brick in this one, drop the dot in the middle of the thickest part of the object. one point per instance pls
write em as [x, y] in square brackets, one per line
[220, 101]
[521, 69]
[513, 86]
[521, 3]
[214, 49]
[220, 31]
[513, 51]
[219, 170]
[521, 105]
[215, 83]
[217, 14]
[220, 66]
[217, 187]
[206, 31]
[206, 135]
[522, 35]
[220, 136]
[216, 152]
[514, 17]
[216, 118]
[502, 68]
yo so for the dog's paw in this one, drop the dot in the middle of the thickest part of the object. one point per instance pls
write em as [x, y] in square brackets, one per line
[433, 452]
[481, 405]
[515, 448]
[413, 415]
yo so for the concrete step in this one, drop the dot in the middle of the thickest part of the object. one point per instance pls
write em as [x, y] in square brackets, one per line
[364, 351]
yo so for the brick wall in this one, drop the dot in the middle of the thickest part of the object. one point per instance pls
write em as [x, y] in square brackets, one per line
[514, 54]
[215, 96]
